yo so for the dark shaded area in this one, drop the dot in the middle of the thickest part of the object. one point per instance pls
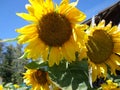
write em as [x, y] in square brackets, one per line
[98, 82]
[111, 13]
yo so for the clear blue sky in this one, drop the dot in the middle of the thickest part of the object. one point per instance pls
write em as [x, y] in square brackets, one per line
[9, 21]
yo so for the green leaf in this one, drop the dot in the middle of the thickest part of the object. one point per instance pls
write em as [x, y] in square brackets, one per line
[9, 40]
[70, 74]
[32, 65]
[35, 65]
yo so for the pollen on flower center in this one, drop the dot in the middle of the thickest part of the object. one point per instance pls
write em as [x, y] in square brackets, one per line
[54, 29]
[100, 46]
[40, 77]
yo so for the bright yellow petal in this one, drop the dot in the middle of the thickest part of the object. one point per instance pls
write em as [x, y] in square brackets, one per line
[22, 39]
[64, 2]
[29, 9]
[68, 51]
[50, 5]
[36, 3]
[29, 29]
[54, 56]
[27, 17]
[75, 15]
[101, 24]
[108, 27]
[94, 70]
[112, 64]
[79, 33]
[45, 54]
[65, 8]
[113, 29]
[116, 34]
[83, 53]
[103, 69]
[32, 49]
[38, 6]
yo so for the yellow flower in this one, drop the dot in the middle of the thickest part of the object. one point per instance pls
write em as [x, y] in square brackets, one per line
[103, 47]
[38, 79]
[110, 85]
[16, 86]
[1, 87]
[54, 33]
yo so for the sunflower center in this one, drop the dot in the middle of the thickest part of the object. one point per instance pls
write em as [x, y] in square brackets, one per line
[40, 77]
[99, 46]
[54, 29]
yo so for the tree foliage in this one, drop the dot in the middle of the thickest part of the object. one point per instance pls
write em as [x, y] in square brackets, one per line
[11, 67]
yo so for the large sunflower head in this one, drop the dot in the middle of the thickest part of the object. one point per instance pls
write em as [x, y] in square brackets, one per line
[54, 32]
[38, 79]
[103, 49]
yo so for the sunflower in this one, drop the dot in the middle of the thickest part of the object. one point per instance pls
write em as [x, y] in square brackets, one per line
[54, 32]
[110, 85]
[1, 87]
[38, 79]
[103, 49]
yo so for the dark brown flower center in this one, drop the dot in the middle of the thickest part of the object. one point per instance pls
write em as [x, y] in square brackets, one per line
[40, 77]
[54, 29]
[100, 46]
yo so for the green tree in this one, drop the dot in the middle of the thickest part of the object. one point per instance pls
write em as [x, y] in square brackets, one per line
[11, 66]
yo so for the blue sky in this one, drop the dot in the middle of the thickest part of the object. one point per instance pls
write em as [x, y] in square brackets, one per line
[9, 21]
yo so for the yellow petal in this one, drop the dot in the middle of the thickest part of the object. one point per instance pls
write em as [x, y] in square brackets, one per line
[38, 7]
[115, 59]
[101, 24]
[29, 29]
[116, 35]
[68, 51]
[55, 56]
[45, 54]
[26, 38]
[30, 9]
[27, 17]
[35, 3]
[31, 49]
[112, 66]
[108, 27]
[65, 7]
[83, 53]
[116, 48]
[94, 69]
[64, 2]
[50, 5]
[116, 39]
[79, 33]
[75, 15]
[113, 29]
[103, 69]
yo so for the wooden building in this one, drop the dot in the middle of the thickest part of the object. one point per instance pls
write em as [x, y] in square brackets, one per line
[111, 13]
